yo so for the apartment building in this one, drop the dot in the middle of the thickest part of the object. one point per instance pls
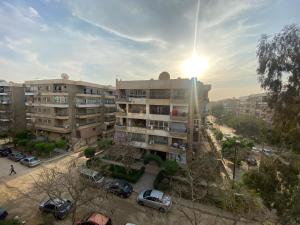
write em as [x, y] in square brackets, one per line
[256, 105]
[79, 111]
[162, 116]
[230, 105]
[12, 108]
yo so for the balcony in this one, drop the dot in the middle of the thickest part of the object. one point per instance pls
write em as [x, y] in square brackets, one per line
[56, 128]
[87, 115]
[179, 116]
[87, 105]
[88, 125]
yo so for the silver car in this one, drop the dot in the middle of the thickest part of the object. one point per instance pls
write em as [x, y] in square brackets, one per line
[92, 175]
[30, 161]
[155, 199]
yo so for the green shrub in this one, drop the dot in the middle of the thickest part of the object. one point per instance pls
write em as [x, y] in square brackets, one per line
[132, 176]
[62, 144]
[171, 167]
[2, 136]
[10, 222]
[89, 152]
[154, 158]
[22, 142]
[44, 148]
[162, 181]
[105, 143]
[23, 135]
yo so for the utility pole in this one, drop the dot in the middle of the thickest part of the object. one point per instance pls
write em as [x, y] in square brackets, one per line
[234, 165]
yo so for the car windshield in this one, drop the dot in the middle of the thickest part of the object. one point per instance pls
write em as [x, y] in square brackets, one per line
[98, 176]
[147, 193]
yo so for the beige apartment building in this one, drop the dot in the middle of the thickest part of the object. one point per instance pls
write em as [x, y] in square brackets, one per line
[163, 116]
[12, 108]
[256, 105]
[79, 111]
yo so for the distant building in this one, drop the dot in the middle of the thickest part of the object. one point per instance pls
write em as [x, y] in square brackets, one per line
[256, 105]
[12, 108]
[163, 116]
[79, 111]
[230, 105]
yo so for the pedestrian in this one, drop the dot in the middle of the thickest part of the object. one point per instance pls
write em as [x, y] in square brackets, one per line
[12, 170]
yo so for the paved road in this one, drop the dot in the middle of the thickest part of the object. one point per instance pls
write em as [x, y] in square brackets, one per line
[124, 210]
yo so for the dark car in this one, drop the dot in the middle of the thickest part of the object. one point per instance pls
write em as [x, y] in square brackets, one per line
[16, 156]
[60, 208]
[252, 162]
[3, 213]
[120, 188]
[5, 151]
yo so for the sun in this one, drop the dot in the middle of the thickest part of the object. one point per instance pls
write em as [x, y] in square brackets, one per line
[194, 66]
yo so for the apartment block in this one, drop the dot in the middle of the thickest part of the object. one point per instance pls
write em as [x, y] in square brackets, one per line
[12, 108]
[79, 111]
[256, 105]
[162, 116]
[230, 105]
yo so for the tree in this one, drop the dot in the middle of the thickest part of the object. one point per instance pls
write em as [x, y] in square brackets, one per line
[171, 167]
[279, 73]
[89, 152]
[59, 182]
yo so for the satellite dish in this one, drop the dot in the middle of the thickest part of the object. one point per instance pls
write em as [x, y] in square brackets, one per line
[164, 76]
[64, 76]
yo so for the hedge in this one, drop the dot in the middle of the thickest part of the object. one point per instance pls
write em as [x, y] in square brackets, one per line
[132, 176]
[162, 181]
[154, 158]
[10, 222]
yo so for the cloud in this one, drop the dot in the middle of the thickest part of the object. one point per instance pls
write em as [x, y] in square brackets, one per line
[33, 13]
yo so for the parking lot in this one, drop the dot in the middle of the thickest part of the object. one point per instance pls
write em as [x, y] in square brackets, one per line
[5, 169]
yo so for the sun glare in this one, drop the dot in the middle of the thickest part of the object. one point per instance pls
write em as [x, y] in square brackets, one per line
[194, 66]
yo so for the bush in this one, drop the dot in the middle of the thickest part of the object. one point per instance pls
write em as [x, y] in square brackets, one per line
[105, 143]
[62, 144]
[22, 142]
[23, 135]
[162, 181]
[132, 176]
[10, 222]
[89, 152]
[154, 158]
[171, 167]
[44, 148]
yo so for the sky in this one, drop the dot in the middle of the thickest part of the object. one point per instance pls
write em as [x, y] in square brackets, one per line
[101, 40]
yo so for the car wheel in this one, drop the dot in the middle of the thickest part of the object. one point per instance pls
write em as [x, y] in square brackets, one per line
[140, 203]
[162, 210]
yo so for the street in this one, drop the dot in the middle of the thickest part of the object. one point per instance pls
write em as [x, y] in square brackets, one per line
[12, 197]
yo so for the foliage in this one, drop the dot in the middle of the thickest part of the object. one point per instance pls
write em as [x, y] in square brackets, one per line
[171, 167]
[277, 182]
[62, 144]
[152, 157]
[132, 176]
[218, 134]
[105, 143]
[162, 181]
[24, 135]
[4, 135]
[278, 70]
[10, 222]
[89, 152]
[44, 148]
[241, 146]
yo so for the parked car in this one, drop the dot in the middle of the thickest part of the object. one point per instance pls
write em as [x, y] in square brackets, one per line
[267, 152]
[60, 208]
[252, 162]
[155, 199]
[5, 151]
[30, 161]
[120, 188]
[3, 214]
[95, 219]
[16, 156]
[92, 175]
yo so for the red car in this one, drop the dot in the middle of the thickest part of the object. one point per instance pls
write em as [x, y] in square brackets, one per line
[96, 219]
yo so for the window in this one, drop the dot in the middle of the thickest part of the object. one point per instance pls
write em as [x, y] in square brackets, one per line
[160, 109]
[137, 93]
[153, 139]
[137, 137]
[160, 125]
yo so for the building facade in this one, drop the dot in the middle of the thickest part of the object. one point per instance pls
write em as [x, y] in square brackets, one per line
[79, 111]
[12, 108]
[256, 105]
[162, 116]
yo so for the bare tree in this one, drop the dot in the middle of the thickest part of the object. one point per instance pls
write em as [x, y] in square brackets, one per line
[66, 183]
